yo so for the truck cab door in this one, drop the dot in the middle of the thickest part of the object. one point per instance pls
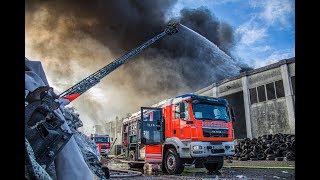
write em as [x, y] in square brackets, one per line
[151, 125]
[152, 133]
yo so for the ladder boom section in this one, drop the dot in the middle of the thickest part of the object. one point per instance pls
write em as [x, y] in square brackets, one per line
[90, 81]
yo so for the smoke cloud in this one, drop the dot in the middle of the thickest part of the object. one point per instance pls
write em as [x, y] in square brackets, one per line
[75, 38]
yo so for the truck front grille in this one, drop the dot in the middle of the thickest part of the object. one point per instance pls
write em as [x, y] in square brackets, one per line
[215, 132]
[217, 151]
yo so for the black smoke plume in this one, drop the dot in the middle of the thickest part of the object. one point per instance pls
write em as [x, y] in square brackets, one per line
[74, 38]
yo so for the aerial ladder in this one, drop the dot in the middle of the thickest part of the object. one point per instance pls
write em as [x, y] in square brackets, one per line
[81, 87]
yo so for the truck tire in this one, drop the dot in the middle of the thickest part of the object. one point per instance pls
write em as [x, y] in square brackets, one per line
[173, 163]
[163, 167]
[212, 167]
[131, 156]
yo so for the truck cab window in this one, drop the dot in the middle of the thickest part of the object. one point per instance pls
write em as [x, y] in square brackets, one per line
[151, 127]
[184, 111]
[177, 111]
[210, 112]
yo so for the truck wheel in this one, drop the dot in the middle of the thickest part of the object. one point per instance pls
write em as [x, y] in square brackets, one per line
[163, 167]
[173, 163]
[132, 156]
[212, 167]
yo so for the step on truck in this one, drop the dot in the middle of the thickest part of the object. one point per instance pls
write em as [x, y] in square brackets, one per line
[184, 130]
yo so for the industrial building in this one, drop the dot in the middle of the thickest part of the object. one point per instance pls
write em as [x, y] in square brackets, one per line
[114, 129]
[263, 100]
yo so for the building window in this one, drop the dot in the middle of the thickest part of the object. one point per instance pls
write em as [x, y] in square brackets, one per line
[293, 83]
[261, 93]
[271, 93]
[279, 89]
[253, 95]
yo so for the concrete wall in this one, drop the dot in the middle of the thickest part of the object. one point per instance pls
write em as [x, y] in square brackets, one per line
[292, 69]
[269, 117]
[264, 77]
[230, 87]
[114, 129]
[207, 93]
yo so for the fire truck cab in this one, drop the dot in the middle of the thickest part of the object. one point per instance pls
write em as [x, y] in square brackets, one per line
[184, 130]
[102, 142]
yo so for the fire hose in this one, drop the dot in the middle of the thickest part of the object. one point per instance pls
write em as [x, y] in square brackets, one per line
[117, 173]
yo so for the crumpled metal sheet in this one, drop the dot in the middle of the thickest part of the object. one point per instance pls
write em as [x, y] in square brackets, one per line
[90, 153]
[87, 146]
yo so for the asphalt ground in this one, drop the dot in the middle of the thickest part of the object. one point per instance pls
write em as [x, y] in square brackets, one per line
[231, 170]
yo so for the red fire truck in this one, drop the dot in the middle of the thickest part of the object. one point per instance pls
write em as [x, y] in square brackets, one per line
[102, 143]
[184, 130]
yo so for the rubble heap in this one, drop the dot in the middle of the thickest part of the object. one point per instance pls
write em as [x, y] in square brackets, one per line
[87, 147]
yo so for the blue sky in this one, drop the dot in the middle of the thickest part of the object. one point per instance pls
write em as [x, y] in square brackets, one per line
[264, 30]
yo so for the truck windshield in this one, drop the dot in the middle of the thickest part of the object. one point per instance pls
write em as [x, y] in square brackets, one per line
[210, 112]
[101, 139]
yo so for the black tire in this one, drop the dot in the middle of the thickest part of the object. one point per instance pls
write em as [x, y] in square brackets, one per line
[279, 158]
[253, 154]
[254, 159]
[290, 156]
[270, 157]
[131, 156]
[212, 167]
[243, 159]
[163, 167]
[172, 162]
[269, 151]
[261, 156]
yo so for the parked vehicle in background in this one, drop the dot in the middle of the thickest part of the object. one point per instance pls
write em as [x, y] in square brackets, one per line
[102, 142]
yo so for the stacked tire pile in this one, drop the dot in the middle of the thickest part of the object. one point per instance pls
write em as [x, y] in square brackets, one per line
[277, 147]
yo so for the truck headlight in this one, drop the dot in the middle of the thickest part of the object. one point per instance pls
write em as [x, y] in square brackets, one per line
[197, 147]
[229, 147]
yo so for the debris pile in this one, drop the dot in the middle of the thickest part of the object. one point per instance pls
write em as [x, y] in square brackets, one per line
[54, 148]
[277, 147]
[87, 147]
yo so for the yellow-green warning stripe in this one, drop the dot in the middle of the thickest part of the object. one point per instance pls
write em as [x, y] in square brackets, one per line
[261, 167]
